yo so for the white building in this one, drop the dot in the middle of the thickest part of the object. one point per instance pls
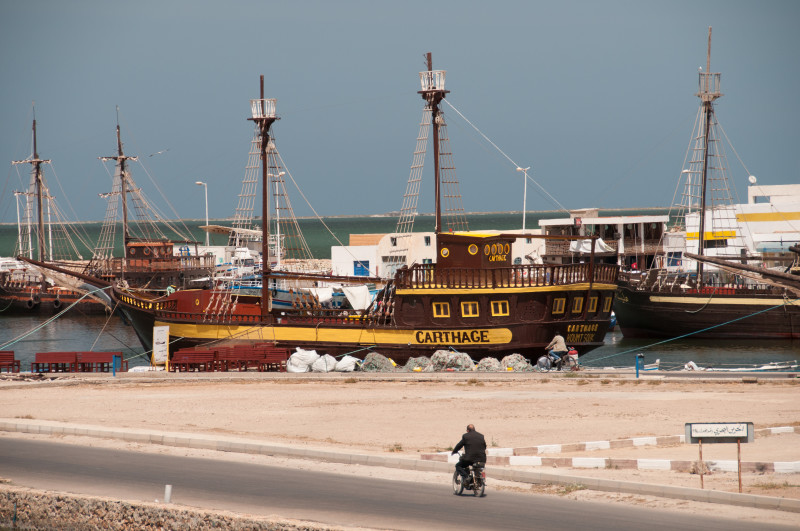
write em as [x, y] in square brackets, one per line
[385, 253]
[766, 226]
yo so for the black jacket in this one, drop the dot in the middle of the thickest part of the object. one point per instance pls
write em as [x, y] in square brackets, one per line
[474, 447]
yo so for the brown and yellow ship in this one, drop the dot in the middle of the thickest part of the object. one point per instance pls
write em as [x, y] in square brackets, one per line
[472, 299]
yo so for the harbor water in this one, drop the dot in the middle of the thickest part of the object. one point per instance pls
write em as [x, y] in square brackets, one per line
[29, 334]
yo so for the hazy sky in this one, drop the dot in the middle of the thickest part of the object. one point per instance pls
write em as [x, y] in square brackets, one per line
[596, 96]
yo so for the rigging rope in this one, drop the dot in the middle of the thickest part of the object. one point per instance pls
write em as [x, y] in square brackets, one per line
[562, 207]
[48, 321]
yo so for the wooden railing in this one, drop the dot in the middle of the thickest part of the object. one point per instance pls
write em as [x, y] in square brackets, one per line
[427, 276]
[178, 263]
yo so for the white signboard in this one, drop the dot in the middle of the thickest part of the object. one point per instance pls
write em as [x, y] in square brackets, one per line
[160, 344]
[719, 431]
[736, 429]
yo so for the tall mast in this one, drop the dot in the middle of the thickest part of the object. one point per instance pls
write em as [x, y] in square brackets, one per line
[263, 114]
[122, 164]
[38, 184]
[708, 92]
[433, 93]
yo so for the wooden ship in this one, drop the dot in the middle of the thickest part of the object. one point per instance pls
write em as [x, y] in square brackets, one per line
[472, 299]
[148, 262]
[717, 299]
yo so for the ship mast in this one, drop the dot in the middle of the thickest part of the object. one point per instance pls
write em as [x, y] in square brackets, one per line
[38, 183]
[263, 114]
[122, 163]
[708, 92]
[433, 93]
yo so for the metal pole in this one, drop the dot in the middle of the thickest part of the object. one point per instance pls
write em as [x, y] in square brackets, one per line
[702, 467]
[205, 189]
[739, 461]
[524, 194]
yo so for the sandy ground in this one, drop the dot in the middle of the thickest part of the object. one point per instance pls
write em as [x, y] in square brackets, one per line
[421, 413]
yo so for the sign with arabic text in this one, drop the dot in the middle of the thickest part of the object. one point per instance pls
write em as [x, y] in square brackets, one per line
[719, 432]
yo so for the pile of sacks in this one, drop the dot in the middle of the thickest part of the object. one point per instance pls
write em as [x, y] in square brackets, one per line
[310, 361]
[442, 360]
[446, 360]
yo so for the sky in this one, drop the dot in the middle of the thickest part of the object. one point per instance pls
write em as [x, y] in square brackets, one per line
[596, 97]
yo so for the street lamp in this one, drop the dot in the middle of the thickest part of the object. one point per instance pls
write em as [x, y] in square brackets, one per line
[524, 195]
[276, 180]
[205, 186]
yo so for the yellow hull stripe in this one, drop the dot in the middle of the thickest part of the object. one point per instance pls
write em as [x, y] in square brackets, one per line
[497, 291]
[479, 336]
[714, 300]
[768, 216]
[718, 235]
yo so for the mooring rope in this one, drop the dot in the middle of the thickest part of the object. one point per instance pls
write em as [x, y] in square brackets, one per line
[48, 321]
[696, 332]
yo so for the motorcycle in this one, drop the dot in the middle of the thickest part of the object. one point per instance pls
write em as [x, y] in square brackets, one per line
[548, 362]
[475, 480]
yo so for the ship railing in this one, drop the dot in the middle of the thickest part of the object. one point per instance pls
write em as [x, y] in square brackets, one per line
[685, 282]
[427, 276]
[148, 304]
[114, 265]
[327, 316]
[19, 280]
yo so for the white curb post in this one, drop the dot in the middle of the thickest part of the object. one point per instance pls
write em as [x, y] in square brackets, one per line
[167, 493]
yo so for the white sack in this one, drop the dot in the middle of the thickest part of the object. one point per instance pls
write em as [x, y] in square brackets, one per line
[325, 363]
[301, 360]
[346, 364]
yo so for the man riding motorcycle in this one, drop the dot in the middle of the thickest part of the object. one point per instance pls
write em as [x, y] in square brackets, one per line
[474, 451]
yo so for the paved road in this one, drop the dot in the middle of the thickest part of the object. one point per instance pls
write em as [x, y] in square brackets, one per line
[317, 496]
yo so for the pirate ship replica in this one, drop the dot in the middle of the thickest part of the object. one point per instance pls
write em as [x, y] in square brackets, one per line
[473, 299]
[148, 262]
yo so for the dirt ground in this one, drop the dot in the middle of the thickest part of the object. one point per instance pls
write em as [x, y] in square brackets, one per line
[415, 414]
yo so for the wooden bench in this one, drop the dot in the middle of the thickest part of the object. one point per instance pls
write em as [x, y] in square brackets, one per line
[228, 359]
[274, 358]
[100, 362]
[193, 360]
[55, 362]
[8, 362]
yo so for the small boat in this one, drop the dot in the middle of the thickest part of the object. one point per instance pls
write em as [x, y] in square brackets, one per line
[771, 366]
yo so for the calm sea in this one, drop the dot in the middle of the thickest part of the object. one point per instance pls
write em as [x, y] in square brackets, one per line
[74, 333]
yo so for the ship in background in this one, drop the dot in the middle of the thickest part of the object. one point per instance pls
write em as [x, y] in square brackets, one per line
[694, 287]
[150, 260]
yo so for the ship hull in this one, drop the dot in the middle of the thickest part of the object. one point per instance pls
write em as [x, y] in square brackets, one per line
[399, 343]
[32, 299]
[721, 314]
[404, 336]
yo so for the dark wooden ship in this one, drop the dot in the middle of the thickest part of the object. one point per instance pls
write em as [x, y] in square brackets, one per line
[744, 302]
[148, 262]
[473, 299]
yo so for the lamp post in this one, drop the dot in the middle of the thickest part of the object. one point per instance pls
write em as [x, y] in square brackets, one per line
[524, 195]
[276, 179]
[205, 186]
